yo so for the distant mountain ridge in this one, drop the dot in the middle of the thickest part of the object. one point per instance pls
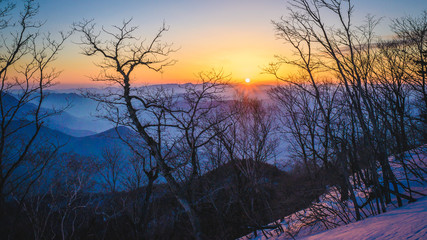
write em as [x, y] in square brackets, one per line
[77, 118]
[92, 145]
[77, 124]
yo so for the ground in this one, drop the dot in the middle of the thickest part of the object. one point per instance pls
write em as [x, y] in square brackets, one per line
[408, 222]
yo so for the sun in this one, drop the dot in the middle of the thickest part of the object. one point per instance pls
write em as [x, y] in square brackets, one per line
[248, 80]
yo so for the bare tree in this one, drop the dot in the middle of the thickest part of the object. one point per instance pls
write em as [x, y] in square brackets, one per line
[350, 53]
[71, 194]
[36, 206]
[412, 36]
[110, 168]
[26, 56]
[250, 144]
[122, 53]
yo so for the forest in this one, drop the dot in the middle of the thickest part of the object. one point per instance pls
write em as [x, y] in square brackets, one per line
[203, 160]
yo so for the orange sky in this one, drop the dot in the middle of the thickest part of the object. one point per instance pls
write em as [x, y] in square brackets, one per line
[234, 35]
[241, 56]
[240, 48]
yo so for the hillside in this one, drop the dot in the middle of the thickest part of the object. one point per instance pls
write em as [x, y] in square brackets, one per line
[78, 126]
[79, 114]
[92, 145]
[95, 144]
[408, 222]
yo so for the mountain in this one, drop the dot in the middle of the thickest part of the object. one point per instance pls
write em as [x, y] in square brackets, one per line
[76, 104]
[82, 111]
[9, 104]
[92, 145]
[75, 126]
[74, 132]
[83, 124]
[23, 130]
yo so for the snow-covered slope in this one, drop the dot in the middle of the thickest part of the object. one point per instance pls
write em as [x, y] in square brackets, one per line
[408, 222]
[331, 213]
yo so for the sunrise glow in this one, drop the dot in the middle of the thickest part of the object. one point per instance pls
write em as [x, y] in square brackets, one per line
[213, 119]
[223, 35]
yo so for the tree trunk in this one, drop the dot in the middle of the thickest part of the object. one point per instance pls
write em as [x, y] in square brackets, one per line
[164, 168]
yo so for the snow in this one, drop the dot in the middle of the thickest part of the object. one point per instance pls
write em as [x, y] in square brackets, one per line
[408, 222]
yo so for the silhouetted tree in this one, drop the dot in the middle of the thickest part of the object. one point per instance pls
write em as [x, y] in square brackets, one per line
[365, 105]
[412, 35]
[25, 72]
[151, 113]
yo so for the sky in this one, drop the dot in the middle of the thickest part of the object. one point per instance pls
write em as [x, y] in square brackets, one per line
[233, 35]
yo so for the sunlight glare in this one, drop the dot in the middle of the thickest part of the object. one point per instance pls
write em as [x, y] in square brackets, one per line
[248, 80]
